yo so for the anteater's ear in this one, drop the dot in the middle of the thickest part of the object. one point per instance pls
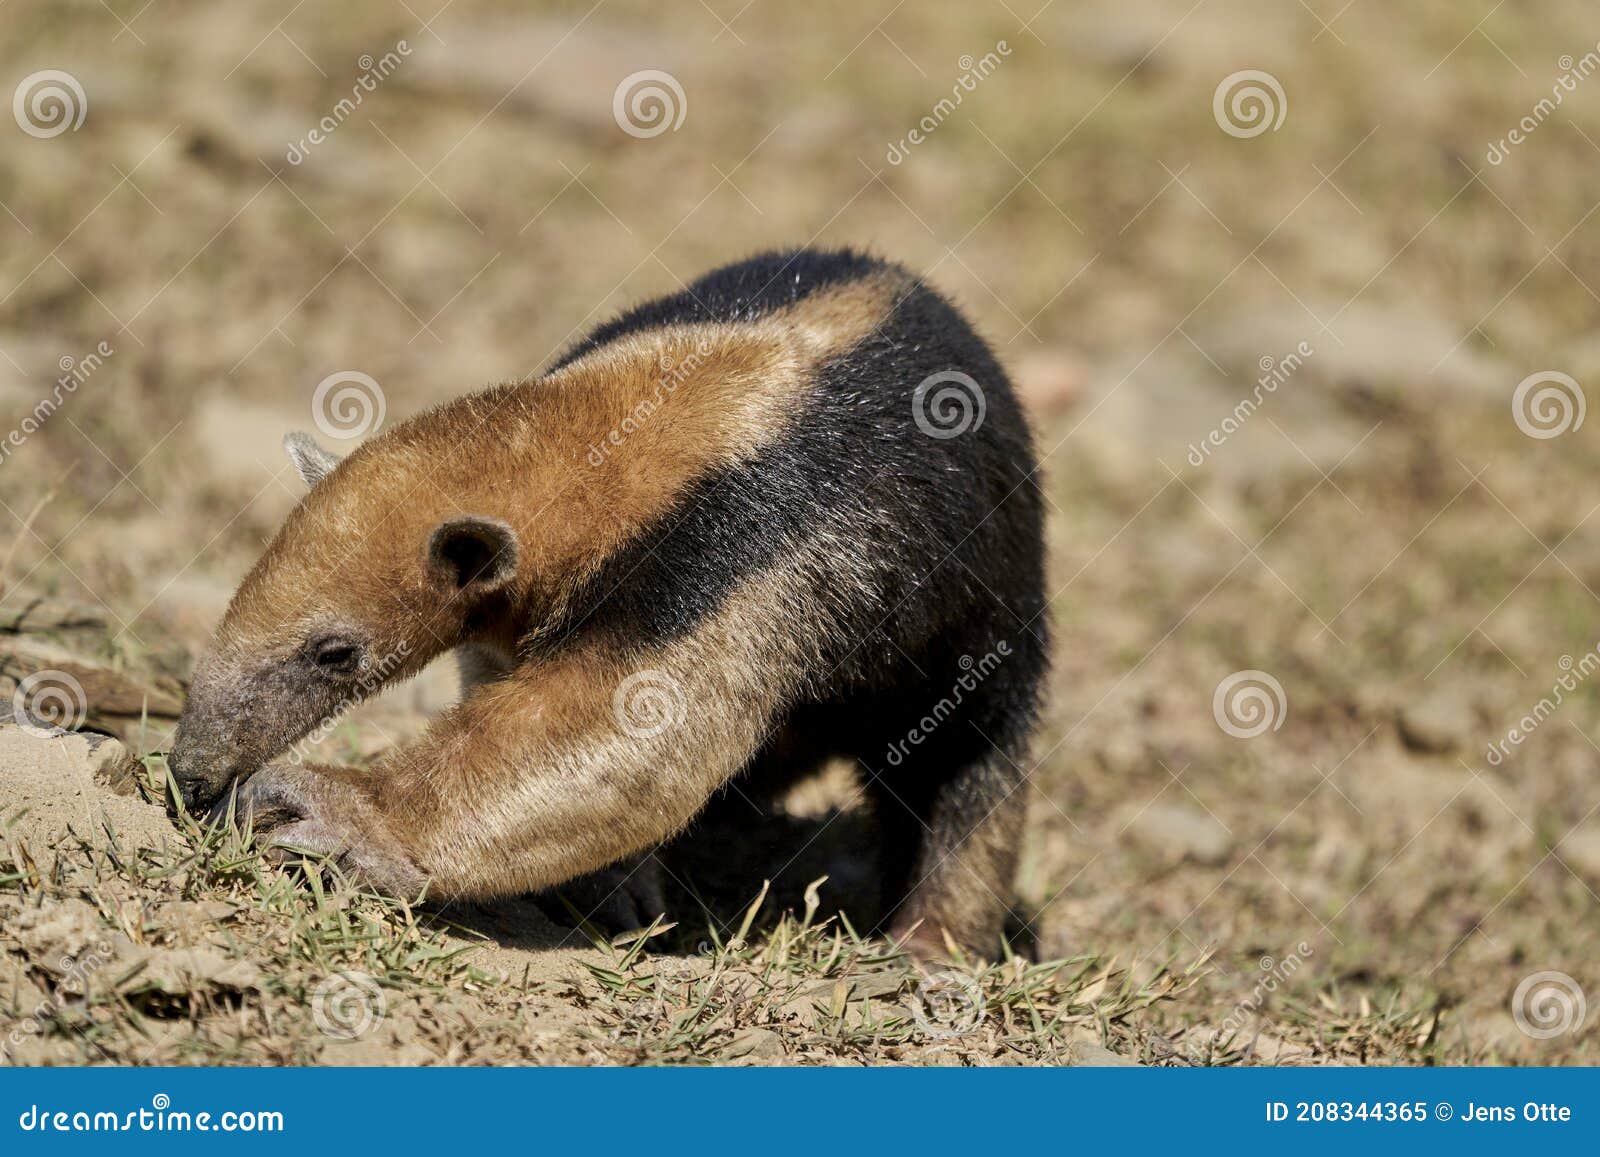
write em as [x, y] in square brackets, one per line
[473, 552]
[313, 462]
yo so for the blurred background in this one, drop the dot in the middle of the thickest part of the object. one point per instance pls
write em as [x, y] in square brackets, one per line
[1301, 297]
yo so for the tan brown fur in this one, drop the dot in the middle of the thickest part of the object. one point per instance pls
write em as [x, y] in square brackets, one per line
[565, 790]
[524, 448]
[498, 798]
[959, 897]
[478, 803]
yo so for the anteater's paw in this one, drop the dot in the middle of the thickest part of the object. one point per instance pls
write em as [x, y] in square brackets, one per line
[621, 898]
[296, 812]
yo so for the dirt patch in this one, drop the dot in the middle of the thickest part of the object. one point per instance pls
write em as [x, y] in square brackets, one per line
[58, 787]
[126, 937]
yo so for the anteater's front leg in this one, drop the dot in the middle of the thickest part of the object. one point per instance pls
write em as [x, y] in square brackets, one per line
[534, 779]
[332, 812]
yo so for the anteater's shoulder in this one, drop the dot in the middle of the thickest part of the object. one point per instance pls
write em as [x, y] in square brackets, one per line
[749, 291]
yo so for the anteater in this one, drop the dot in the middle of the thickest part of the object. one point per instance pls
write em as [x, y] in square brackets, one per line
[786, 515]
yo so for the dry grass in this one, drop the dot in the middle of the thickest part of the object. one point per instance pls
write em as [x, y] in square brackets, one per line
[200, 952]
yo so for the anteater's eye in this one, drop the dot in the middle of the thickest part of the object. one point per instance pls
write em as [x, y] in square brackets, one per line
[336, 656]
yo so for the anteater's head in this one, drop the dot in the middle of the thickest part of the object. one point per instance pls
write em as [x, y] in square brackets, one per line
[477, 522]
[396, 554]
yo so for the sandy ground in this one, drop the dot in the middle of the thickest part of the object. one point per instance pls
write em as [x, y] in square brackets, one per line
[132, 941]
[1377, 873]
[156, 950]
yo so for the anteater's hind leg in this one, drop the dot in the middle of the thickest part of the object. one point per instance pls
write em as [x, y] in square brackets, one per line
[951, 824]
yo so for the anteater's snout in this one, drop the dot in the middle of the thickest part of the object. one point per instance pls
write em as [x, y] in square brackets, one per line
[199, 782]
[190, 787]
